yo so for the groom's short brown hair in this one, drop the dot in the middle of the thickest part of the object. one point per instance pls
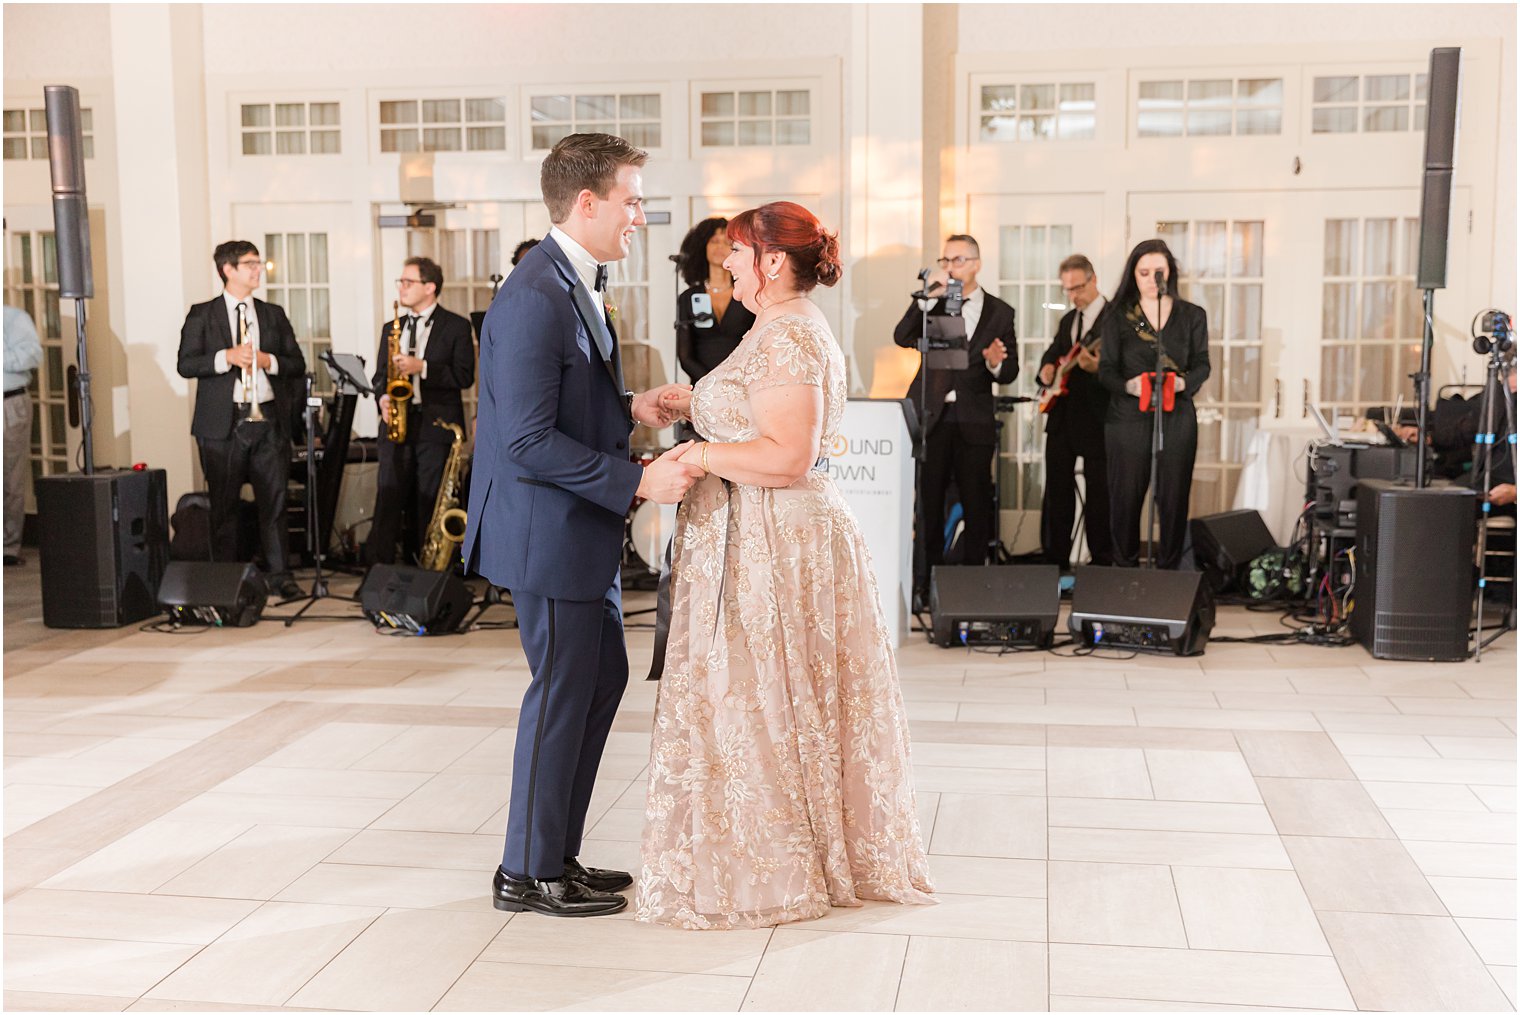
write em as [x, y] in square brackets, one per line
[583, 162]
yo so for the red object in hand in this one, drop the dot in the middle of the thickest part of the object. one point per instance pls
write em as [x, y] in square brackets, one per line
[1168, 392]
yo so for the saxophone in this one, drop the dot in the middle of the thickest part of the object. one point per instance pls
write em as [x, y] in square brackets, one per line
[397, 387]
[446, 530]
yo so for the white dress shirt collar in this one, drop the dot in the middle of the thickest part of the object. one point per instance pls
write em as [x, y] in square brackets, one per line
[583, 263]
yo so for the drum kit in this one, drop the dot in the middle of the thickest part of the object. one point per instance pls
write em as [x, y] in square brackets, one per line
[647, 530]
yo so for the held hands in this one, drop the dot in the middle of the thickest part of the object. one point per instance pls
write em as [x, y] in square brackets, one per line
[409, 365]
[667, 478]
[241, 357]
[995, 353]
[662, 406]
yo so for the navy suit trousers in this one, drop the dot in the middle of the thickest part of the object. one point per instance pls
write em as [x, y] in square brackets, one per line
[580, 668]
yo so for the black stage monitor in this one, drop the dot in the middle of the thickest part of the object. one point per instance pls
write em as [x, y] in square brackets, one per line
[995, 605]
[216, 595]
[1130, 608]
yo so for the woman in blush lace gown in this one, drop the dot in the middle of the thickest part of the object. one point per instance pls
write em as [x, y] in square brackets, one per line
[779, 780]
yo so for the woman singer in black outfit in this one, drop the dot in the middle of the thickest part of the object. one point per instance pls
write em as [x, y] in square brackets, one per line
[702, 344]
[1129, 350]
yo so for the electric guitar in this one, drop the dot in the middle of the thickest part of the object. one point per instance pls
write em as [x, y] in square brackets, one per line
[1064, 366]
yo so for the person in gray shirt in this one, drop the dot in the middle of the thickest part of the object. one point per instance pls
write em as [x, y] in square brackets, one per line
[23, 354]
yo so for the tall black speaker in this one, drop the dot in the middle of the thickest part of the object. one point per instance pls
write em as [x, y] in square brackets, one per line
[71, 215]
[1414, 570]
[1225, 544]
[1126, 607]
[975, 605]
[1440, 156]
[104, 545]
[414, 599]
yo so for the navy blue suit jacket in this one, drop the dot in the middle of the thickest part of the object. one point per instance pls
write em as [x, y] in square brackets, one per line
[552, 481]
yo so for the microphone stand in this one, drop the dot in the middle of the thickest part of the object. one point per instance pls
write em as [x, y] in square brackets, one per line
[1158, 438]
[925, 302]
[319, 589]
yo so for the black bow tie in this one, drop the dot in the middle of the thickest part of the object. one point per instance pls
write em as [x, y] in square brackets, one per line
[601, 278]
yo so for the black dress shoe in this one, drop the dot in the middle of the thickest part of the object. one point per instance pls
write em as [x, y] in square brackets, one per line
[596, 878]
[557, 897]
[288, 590]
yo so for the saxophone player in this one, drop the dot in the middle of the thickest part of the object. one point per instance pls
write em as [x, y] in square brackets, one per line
[436, 353]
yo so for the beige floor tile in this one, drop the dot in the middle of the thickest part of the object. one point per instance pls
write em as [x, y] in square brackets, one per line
[1252, 702]
[50, 745]
[404, 961]
[1453, 770]
[1361, 875]
[405, 887]
[1198, 849]
[447, 850]
[336, 745]
[1097, 772]
[1162, 699]
[1494, 940]
[1141, 737]
[1498, 708]
[423, 749]
[502, 986]
[1463, 859]
[1203, 976]
[266, 958]
[118, 916]
[31, 1000]
[258, 863]
[1452, 826]
[987, 875]
[492, 755]
[968, 916]
[977, 755]
[1201, 776]
[1421, 725]
[1385, 745]
[1266, 683]
[1161, 815]
[1410, 963]
[1426, 796]
[89, 965]
[1006, 826]
[1113, 1004]
[140, 861]
[25, 804]
[1289, 755]
[1114, 903]
[281, 781]
[800, 972]
[622, 942]
[1016, 781]
[1499, 799]
[943, 974]
[70, 772]
[1226, 719]
[1488, 898]
[1504, 976]
[199, 1006]
[1323, 807]
[268, 809]
[624, 824]
[1215, 902]
[1066, 715]
[448, 802]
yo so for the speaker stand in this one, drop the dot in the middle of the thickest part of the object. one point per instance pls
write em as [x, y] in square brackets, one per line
[319, 589]
[493, 597]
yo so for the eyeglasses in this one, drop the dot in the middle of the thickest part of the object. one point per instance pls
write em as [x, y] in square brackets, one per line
[404, 282]
[248, 262]
[955, 262]
[1069, 289]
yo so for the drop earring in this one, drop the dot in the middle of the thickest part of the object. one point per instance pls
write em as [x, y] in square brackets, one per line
[773, 275]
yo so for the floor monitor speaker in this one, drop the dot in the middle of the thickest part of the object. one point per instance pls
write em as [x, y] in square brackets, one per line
[218, 595]
[1225, 544]
[414, 599]
[995, 605]
[1126, 607]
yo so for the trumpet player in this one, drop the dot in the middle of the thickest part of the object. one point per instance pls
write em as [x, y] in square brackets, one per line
[238, 347]
[435, 355]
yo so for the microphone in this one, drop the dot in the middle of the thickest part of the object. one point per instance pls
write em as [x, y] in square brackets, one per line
[675, 257]
[1160, 282]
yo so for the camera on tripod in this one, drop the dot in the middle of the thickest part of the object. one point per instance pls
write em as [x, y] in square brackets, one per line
[1492, 332]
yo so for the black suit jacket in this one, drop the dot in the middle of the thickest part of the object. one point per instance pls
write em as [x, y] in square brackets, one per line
[1125, 355]
[1084, 407]
[207, 332]
[972, 386]
[450, 359]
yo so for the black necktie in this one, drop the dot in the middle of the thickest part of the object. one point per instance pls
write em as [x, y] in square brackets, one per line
[411, 335]
[601, 278]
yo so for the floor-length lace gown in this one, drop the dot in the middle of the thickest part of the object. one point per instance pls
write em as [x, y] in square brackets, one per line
[779, 779]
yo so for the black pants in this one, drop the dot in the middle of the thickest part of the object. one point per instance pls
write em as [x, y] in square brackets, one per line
[947, 454]
[1058, 513]
[257, 454]
[1129, 475]
[410, 474]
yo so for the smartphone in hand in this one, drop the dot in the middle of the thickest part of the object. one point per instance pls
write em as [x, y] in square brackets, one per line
[702, 311]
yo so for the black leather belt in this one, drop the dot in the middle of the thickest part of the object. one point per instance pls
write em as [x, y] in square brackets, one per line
[13, 392]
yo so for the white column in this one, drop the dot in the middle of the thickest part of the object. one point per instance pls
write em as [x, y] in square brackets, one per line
[884, 139]
[162, 243]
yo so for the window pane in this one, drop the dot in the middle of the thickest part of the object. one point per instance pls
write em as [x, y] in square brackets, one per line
[290, 142]
[485, 110]
[39, 121]
[1387, 88]
[548, 137]
[1212, 250]
[87, 143]
[1078, 96]
[642, 135]
[639, 107]
[597, 108]
[487, 139]
[54, 369]
[39, 148]
[1340, 247]
[1037, 128]
[1411, 259]
[274, 257]
[550, 107]
[1000, 128]
[1245, 314]
[1335, 89]
[297, 308]
[440, 110]
[1374, 383]
[1038, 97]
[399, 140]
[485, 252]
[1076, 127]
[321, 315]
[261, 143]
[441, 139]
[295, 262]
[1379, 252]
[793, 103]
[1419, 118]
[1010, 249]
[15, 147]
[1060, 247]
[1338, 312]
[26, 263]
[1176, 236]
[1151, 123]
[754, 103]
[319, 259]
[52, 320]
[1260, 92]
[1243, 375]
[1386, 118]
[86, 120]
[1337, 373]
[324, 114]
[754, 132]
[15, 121]
[995, 98]
[1212, 93]
[1245, 250]
[1210, 296]
[326, 142]
[1204, 123]
[58, 441]
[1335, 120]
[717, 103]
[398, 112]
[1034, 253]
[290, 114]
[451, 253]
[253, 116]
[1379, 311]
[1258, 121]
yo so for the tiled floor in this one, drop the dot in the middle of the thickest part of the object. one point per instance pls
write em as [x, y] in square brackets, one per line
[308, 818]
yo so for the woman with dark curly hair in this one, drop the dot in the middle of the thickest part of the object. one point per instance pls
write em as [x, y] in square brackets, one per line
[705, 337]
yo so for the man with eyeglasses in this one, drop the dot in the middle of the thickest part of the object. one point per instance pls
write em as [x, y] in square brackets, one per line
[437, 354]
[1074, 424]
[960, 431]
[222, 343]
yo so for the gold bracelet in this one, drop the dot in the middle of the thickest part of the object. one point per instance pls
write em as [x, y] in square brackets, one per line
[705, 445]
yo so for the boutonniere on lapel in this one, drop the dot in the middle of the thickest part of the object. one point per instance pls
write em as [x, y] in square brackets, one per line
[610, 307]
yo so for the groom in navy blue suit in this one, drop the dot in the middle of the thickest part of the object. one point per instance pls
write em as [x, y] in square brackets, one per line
[552, 483]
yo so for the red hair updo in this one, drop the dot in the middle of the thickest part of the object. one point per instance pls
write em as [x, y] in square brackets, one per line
[791, 229]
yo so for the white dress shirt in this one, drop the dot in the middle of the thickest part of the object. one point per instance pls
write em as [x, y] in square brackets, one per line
[261, 377]
[424, 329]
[971, 311]
[584, 264]
[1084, 321]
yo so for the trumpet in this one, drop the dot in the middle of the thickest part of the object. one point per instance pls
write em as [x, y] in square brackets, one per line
[397, 387]
[250, 372]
